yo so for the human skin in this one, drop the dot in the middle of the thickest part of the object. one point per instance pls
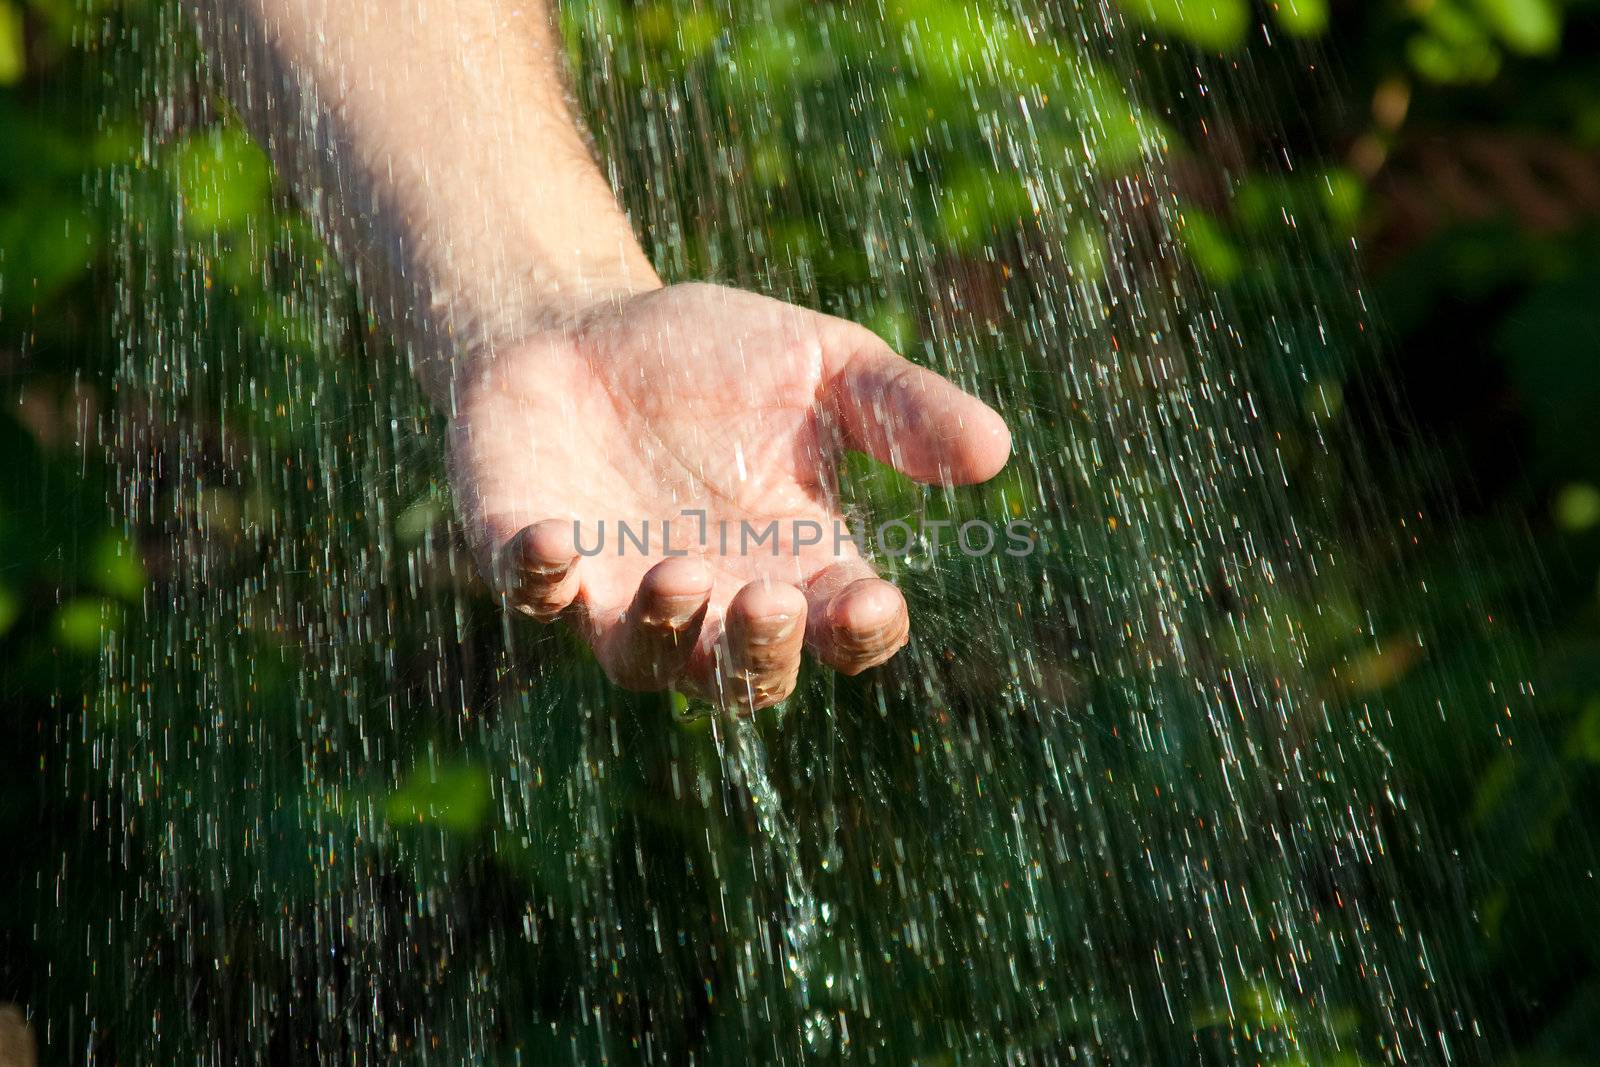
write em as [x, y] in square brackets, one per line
[434, 142]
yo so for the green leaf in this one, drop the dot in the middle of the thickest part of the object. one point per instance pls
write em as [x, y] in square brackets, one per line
[772, 58]
[1584, 741]
[977, 204]
[1085, 248]
[1454, 49]
[118, 143]
[116, 569]
[894, 323]
[222, 178]
[13, 44]
[1532, 27]
[1210, 24]
[947, 40]
[1213, 253]
[1577, 507]
[1494, 785]
[685, 32]
[47, 241]
[81, 622]
[414, 523]
[1343, 195]
[456, 797]
[1301, 18]
[10, 609]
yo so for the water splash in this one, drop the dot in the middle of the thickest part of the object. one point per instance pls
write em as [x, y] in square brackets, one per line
[802, 923]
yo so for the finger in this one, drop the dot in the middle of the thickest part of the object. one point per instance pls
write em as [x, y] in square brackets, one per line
[764, 631]
[539, 569]
[855, 620]
[654, 639]
[912, 419]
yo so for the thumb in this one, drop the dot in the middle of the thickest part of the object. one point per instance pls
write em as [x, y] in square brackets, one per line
[910, 418]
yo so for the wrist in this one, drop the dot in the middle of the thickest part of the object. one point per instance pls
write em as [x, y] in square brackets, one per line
[472, 323]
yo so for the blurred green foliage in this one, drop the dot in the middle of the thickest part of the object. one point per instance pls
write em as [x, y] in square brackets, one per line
[1490, 306]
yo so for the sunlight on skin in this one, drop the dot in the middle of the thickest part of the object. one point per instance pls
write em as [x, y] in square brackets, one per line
[640, 413]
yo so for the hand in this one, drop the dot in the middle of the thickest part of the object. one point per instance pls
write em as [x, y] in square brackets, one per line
[700, 398]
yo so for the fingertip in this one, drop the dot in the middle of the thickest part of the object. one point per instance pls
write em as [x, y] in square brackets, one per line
[679, 574]
[674, 591]
[648, 647]
[765, 631]
[865, 606]
[985, 446]
[547, 548]
[539, 569]
[765, 602]
[867, 623]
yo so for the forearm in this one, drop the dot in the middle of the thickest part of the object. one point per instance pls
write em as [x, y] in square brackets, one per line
[433, 141]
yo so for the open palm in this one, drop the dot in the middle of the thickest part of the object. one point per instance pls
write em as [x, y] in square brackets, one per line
[715, 417]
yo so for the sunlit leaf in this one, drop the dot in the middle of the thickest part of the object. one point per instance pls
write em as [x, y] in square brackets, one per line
[1211, 24]
[13, 46]
[456, 797]
[1455, 47]
[1344, 195]
[222, 178]
[1532, 27]
[975, 205]
[1302, 18]
[686, 33]
[80, 623]
[894, 323]
[116, 568]
[1577, 506]
[1210, 248]
[413, 524]
[1375, 669]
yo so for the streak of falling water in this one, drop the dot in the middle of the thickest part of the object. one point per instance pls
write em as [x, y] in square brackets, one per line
[800, 923]
[1125, 800]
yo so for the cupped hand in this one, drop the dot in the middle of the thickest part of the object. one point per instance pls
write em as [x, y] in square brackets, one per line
[704, 413]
